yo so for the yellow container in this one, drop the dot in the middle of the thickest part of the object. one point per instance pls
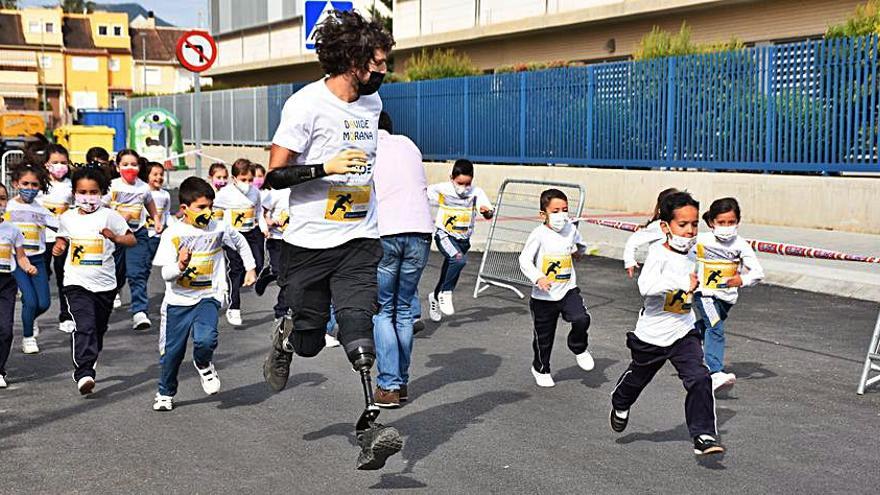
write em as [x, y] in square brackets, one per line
[21, 125]
[79, 138]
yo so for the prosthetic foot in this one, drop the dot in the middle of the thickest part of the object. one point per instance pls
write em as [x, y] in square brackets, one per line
[377, 441]
[276, 368]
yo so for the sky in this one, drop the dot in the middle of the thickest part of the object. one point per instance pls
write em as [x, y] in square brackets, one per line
[184, 13]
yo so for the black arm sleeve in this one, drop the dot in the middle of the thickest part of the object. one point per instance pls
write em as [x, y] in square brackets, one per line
[291, 175]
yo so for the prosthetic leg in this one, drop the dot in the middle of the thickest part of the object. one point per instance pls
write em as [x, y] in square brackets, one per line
[377, 441]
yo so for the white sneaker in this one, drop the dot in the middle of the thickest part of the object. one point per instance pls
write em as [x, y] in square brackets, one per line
[140, 321]
[330, 341]
[434, 308]
[585, 361]
[209, 378]
[233, 316]
[2, 381]
[722, 380]
[117, 303]
[36, 329]
[445, 301]
[542, 379]
[67, 326]
[29, 345]
[85, 385]
[163, 403]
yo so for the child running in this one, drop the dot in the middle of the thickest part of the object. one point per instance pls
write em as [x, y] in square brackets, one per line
[131, 198]
[243, 211]
[725, 261]
[90, 233]
[546, 260]
[192, 264]
[666, 327]
[154, 175]
[32, 220]
[458, 202]
[276, 206]
[648, 233]
[58, 199]
[11, 251]
[219, 175]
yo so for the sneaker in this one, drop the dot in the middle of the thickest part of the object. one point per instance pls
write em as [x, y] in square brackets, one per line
[418, 326]
[434, 308]
[276, 368]
[263, 283]
[619, 420]
[378, 443]
[721, 380]
[330, 341]
[85, 385]
[387, 398]
[403, 393]
[29, 345]
[707, 445]
[233, 316]
[117, 302]
[542, 379]
[140, 321]
[36, 329]
[585, 361]
[445, 301]
[67, 326]
[209, 378]
[163, 403]
[3, 383]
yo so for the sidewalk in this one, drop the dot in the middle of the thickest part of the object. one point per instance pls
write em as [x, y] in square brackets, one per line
[841, 278]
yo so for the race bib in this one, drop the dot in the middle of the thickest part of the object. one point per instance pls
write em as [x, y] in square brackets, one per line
[347, 203]
[56, 209]
[241, 218]
[556, 267]
[86, 252]
[715, 272]
[131, 214]
[150, 223]
[455, 220]
[217, 214]
[32, 238]
[283, 220]
[5, 258]
[198, 274]
[677, 302]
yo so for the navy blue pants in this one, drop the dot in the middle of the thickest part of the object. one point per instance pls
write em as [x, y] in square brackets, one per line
[8, 290]
[177, 324]
[34, 293]
[454, 253]
[55, 264]
[133, 265]
[546, 315]
[235, 266]
[91, 313]
[273, 249]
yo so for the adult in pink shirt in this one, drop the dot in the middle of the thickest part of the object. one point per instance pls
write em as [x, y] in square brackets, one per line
[405, 227]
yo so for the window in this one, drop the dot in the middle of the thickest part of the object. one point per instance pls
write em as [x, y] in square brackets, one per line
[34, 26]
[117, 30]
[85, 99]
[154, 76]
[84, 64]
[50, 27]
[102, 30]
[45, 61]
[114, 65]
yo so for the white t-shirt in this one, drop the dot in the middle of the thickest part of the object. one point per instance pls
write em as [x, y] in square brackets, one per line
[648, 234]
[276, 203]
[663, 283]
[89, 261]
[456, 214]
[205, 276]
[57, 200]
[32, 220]
[130, 201]
[717, 260]
[10, 239]
[162, 200]
[333, 210]
[241, 211]
[547, 253]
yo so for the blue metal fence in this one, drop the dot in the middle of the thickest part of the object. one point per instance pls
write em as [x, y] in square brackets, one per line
[810, 106]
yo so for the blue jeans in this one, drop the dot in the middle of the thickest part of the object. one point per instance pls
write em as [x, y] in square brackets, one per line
[34, 293]
[133, 264]
[453, 264]
[177, 323]
[400, 269]
[713, 335]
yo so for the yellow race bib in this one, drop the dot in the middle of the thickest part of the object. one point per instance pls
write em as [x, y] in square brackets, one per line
[283, 220]
[131, 214]
[5, 258]
[241, 218]
[347, 203]
[86, 251]
[677, 302]
[56, 209]
[31, 235]
[714, 272]
[556, 267]
[199, 273]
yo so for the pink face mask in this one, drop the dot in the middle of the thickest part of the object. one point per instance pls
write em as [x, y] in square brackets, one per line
[218, 183]
[258, 182]
[88, 203]
[58, 170]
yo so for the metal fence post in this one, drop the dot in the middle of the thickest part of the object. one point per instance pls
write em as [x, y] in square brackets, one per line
[255, 115]
[419, 113]
[467, 117]
[770, 108]
[670, 108]
[591, 101]
[522, 115]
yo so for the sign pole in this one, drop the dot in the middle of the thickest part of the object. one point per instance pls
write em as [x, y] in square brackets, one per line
[197, 51]
[197, 121]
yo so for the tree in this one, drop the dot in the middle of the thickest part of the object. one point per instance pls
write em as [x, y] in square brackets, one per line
[375, 13]
[77, 6]
[864, 21]
[8, 4]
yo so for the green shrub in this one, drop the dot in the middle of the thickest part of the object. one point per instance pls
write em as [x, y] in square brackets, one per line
[864, 21]
[659, 43]
[439, 64]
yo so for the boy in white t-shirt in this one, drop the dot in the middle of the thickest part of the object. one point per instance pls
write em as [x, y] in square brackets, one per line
[193, 266]
[546, 260]
[90, 233]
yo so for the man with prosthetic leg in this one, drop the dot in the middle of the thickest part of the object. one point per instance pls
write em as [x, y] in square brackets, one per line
[324, 149]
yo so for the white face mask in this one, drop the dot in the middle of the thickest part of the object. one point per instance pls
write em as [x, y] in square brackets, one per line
[462, 191]
[557, 221]
[681, 244]
[725, 233]
[244, 187]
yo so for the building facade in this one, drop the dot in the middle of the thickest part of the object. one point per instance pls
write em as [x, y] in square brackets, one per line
[156, 69]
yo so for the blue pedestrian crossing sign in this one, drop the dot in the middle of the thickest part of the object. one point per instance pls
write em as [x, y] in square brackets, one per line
[314, 13]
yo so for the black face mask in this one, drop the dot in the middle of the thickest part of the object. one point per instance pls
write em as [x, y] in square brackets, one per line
[372, 84]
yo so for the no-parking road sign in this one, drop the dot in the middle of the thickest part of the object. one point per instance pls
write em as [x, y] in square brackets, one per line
[196, 50]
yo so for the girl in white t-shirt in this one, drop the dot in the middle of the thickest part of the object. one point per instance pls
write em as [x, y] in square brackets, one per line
[58, 199]
[648, 234]
[11, 254]
[154, 175]
[90, 234]
[276, 214]
[32, 219]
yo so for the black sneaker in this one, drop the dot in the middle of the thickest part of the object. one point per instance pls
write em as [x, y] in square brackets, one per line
[276, 368]
[707, 445]
[378, 443]
[618, 424]
[263, 282]
[418, 326]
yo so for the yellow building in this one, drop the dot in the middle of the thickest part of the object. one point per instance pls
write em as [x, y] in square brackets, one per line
[98, 61]
[156, 69]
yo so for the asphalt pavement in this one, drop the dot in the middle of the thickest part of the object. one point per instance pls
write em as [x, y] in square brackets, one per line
[476, 422]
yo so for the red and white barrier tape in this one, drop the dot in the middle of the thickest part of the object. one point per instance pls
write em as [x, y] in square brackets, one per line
[770, 247]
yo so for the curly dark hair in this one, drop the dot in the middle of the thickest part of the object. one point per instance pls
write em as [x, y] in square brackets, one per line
[346, 40]
[38, 170]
